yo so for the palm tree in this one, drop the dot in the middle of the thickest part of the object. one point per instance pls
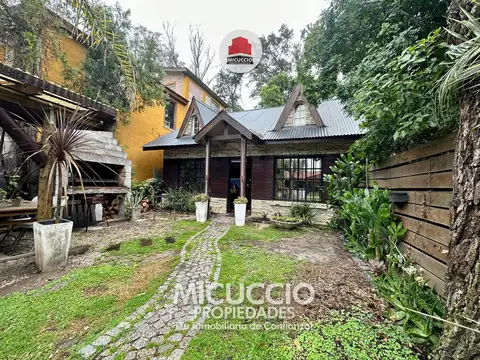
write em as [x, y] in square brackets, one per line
[463, 275]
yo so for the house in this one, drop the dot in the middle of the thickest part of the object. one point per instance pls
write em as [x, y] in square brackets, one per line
[181, 85]
[275, 157]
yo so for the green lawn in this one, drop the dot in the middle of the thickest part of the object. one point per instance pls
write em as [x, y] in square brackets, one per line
[61, 316]
[343, 336]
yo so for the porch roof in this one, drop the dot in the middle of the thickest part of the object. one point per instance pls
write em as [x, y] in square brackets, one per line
[261, 122]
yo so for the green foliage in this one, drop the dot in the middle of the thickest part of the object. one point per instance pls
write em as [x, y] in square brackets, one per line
[395, 99]
[3, 195]
[149, 186]
[285, 219]
[347, 29]
[277, 90]
[280, 54]
[240, 200]
[347, 174]
[134, 199]
[410, 292]
[201, 198]
[227, 86]
[179, 199]
[303, 212]
[104, 74]
[365, 216]
[352, 336]
[462, 61]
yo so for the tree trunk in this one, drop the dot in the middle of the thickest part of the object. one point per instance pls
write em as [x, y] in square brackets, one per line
[45, 193]
[463, 275]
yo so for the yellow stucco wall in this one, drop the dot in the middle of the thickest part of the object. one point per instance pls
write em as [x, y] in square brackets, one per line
[144, 127]
[75, 54]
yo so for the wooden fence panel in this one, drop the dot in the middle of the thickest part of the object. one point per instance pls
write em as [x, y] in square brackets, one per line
[425, 175]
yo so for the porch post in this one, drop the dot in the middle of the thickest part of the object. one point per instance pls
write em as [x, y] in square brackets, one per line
[243, 166]
[207, 165]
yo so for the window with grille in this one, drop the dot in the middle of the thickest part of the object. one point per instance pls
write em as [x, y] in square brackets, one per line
[300, 179]
[192, 175]
[300, 115]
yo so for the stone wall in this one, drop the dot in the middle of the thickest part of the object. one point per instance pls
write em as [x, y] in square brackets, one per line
[218, 205]
[232, 149]
[174, 78]
[261, 208]
[309, 118]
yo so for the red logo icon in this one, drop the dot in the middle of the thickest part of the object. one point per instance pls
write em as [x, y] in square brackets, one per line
[240, 45]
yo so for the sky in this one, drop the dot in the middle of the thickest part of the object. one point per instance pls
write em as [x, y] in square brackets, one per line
[217, 18]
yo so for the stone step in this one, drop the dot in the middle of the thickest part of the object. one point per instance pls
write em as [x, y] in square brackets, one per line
[103, 158]
[103, 151]
[104, 145]
[93, 133]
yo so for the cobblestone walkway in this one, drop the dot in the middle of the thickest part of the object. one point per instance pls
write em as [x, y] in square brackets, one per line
[161, 329]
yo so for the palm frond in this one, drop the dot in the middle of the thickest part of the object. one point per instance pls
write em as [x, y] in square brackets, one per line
[465, 63]
[93, 30]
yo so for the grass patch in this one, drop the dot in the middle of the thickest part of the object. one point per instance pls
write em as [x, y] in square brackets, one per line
[260, 232]
[81, 305]
[181, 231]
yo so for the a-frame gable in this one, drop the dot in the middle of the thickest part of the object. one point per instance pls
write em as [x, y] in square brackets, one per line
[223, 121]
[192, 109]
[296, 98]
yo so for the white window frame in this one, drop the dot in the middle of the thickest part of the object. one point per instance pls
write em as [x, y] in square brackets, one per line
[300, 116]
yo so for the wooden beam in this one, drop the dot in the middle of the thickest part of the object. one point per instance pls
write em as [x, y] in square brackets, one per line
[207, 165]
[243, 166]
[21, 138]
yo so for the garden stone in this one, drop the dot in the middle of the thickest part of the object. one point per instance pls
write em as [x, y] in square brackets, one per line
[102, 340]
[88, 351]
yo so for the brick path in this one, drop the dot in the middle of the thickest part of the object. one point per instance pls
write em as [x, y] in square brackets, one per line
[161, 329]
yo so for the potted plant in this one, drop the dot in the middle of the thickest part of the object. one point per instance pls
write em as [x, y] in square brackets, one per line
[62, 136]
[3, 195]
[133, 204]
[17, 201]
[285, 222]
[240, 210]
[201, 207]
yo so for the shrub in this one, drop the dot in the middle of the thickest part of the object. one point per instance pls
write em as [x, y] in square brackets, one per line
[285, 219]
[410, 292]
[240, 200]
[347, 174]
[179, 200]
[304, 212]
[201, 198]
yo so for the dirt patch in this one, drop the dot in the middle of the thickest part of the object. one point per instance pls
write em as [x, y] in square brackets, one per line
[95, 290]
[338, 280]
[150, 269]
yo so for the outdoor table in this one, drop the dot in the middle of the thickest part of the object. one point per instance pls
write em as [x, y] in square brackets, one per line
[27, 208]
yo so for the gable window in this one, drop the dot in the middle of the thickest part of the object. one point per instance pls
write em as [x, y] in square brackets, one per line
[170, 115]
[300, 179]
[300, 115]
[195, 124]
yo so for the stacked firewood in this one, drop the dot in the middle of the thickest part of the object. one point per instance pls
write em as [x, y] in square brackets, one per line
[111, 206]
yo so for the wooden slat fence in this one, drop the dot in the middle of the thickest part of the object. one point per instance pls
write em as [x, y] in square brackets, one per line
[425, 174]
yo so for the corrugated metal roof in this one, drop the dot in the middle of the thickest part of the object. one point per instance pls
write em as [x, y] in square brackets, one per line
[262, 122]
[170, 140]
[206, 112]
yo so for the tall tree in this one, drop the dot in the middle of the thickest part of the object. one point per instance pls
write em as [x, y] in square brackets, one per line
[228, 86]
[202, 55]
[347, 29]
[169, 44]
[463, 274]
[277, 90]
[280, 54]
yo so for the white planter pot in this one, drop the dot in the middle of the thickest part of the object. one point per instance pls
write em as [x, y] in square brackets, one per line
[52, 242]
[135, 213]
[201, 211]
[240, 212]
